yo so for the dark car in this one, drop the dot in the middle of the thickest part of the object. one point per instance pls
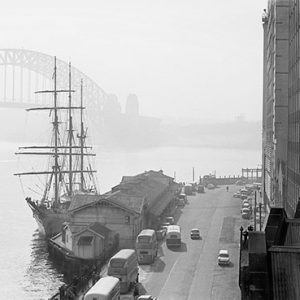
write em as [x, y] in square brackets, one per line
[200, 188]
[195, 234]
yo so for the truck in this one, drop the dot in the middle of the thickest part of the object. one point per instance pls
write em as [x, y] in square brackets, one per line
[188, 189]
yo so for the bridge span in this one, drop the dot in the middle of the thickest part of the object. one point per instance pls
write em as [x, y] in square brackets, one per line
[22, 72]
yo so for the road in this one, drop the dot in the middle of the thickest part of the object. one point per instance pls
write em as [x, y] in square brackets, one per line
[192, 272]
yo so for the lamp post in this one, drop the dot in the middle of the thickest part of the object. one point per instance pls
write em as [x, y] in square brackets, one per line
[255, 211]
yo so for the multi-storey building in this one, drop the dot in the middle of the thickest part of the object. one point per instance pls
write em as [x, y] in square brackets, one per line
[293, 162]
[275, 101]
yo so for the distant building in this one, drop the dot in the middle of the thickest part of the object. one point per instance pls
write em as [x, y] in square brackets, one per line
[132, 105]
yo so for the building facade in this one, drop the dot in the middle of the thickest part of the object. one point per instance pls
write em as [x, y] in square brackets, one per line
[293, 164]
[275, 102]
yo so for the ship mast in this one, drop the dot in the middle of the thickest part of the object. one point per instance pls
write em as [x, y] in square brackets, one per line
[55, 124]
[56, 150]
[70, 136]
[81, 137]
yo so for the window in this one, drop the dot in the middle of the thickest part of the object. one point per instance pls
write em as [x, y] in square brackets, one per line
[85, 240]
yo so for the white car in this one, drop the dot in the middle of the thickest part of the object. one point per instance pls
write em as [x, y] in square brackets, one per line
[246, 205]
[147, 297]
[223, 258]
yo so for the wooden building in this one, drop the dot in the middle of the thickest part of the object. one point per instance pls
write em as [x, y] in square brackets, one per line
[79, 242]
[120, 213]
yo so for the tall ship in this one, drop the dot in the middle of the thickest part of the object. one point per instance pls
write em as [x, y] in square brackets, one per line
[69, 170]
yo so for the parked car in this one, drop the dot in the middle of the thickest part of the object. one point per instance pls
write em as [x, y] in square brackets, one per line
[240, 182]
[147, 297]
[200, 188]
[210, 186]
[170, 220]
[182, 199]
[165, 224]
[246, 213]
[243, 196]
[195, 234]
[223, 257]
[237, 195]
[245, 191]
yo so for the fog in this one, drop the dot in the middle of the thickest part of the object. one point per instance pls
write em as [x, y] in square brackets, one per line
[195, 61]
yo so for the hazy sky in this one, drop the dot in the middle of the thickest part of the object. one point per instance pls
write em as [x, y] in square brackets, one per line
[189, 59]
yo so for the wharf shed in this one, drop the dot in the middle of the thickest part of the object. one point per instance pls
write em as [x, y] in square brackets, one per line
[134, 204]
[159, 192]
[120, 213]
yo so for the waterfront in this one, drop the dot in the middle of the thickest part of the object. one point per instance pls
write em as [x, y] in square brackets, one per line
[26, 272]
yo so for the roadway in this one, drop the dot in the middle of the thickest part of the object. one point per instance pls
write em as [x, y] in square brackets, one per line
[192, 272]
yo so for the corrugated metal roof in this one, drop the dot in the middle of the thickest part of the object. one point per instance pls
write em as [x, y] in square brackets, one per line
[80, 200]
[130, 202]
[100, 229]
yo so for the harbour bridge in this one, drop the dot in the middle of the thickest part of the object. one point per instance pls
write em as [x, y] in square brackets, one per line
[22, 72]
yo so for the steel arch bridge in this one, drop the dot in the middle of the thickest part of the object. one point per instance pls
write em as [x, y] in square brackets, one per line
[22, 72]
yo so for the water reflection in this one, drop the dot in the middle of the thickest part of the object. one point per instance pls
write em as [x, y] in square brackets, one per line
[43, 277]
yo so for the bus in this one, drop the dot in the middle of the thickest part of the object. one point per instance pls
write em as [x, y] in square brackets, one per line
[173, 236]
[106, 288]
[146, 246]
[124, 265]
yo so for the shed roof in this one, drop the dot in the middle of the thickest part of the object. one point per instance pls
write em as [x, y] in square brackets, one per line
[80, 200]
[95, 227]
[130, 202]
[99, 228]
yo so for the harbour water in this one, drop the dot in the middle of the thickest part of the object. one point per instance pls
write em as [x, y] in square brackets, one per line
[25, 269]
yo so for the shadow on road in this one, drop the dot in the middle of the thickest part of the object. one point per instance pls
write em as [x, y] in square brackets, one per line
[230, 265]
[157, 267]
[182, 248]
[141, 289]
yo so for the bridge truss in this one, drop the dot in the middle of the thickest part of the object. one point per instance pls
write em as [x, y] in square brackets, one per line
[22, 72]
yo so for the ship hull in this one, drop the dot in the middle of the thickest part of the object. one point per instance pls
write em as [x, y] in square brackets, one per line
[49, 221]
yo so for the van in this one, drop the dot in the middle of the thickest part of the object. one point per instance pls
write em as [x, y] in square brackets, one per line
[106, 288]
[124, 265]
[173, 236]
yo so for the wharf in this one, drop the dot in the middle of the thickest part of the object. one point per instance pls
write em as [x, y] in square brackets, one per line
[77, 289]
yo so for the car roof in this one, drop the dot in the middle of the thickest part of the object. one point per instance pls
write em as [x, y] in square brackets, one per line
[194, 229]
[223, 251]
